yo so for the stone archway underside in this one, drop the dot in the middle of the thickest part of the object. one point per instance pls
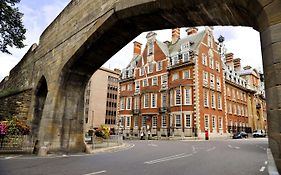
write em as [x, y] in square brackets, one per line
[87, 33]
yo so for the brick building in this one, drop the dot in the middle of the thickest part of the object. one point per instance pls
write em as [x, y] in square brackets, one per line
[184, 88]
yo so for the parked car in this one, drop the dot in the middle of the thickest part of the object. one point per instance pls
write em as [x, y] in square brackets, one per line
[259, 133]
[240, 135]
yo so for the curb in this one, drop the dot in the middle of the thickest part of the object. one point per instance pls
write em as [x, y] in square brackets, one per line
[272, 170]
[107, 149]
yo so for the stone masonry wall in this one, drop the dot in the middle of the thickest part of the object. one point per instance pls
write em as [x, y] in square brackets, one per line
[16, 105]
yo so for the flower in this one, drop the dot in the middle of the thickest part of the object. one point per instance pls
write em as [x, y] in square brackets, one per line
[3, 129]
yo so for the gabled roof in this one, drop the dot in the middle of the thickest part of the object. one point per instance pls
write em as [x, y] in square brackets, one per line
[163, 47]
[194, 39]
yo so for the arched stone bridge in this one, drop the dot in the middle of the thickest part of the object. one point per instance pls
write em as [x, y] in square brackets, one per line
[53, 74]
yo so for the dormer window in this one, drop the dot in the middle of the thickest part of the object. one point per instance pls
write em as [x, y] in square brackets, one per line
[150, 48]
[175, 59]
[185, 46]
[210, 41]
[150, 68]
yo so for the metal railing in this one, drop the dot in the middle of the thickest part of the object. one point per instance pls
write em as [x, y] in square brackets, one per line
[15, 143]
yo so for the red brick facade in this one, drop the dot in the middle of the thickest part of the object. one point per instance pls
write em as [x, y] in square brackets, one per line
[183, 88]
[171, 93]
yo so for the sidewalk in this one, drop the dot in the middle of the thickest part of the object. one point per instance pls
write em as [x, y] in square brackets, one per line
[91, 150]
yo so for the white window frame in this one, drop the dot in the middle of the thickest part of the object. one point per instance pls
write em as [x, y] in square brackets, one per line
[175, 76]
[159, 66]
[206, 121]
[219, 100]
[218, 83]
[122, 103]
[154, 81]
[163, 99]
[163, 121]
[150, 48]
[142, 71]
[178, 96]
[217, 66]
[136, 122]
[205, 78]
[212, 81]
[145, 82]
[186, 74]
[206, 97]
[185, 56]
[164, 79]
[143, 121]
[178, 123]
[220, 123]
[188, 96]
[150, 68]
[136, 102]
[145, 101]
[129, 103]
[128, 122]
[137, 86]
[187, 120]
[214, 122]
[154, 121]
[204, 59]
[153, 100]
[129, 87]
[213, 99]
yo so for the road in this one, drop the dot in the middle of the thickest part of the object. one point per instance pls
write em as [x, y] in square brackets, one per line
[227, 157]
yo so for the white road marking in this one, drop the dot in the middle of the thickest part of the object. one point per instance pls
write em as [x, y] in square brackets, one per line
[98, 172]
[265, 162]
[229, 146]
[237, 147]
[211, 149]
[164, 159]
[262, 169]
[12, 157]
[151, 144]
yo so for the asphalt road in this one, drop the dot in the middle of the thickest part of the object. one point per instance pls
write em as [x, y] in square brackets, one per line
[227, 157]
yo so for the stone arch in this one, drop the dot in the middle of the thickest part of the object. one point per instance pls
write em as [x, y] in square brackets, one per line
[40, 93]
[118, 22]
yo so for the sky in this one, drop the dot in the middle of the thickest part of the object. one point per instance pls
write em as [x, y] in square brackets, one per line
[244, 42]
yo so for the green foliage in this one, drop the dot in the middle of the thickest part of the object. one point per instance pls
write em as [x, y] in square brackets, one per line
[103, 132]
[11, 28]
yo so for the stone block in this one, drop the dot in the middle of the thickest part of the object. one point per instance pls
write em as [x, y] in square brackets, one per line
[274, 96]
[271, 54]
[271, 35]
[272, 75]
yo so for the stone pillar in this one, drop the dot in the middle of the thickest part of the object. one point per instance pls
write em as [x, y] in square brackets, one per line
[271, 48]
[61, 127]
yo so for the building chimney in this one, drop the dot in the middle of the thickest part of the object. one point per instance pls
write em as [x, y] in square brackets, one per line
[175, 35]
[137, 48]
[191, 31]
[229, 60]
[237, 64]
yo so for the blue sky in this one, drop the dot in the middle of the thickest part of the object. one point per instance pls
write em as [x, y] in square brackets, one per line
[244, 42]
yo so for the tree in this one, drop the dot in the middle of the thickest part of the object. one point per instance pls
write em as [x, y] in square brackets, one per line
[11, 28]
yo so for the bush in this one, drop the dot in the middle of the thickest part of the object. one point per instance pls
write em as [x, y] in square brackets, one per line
[102, 132]
[12, 126]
